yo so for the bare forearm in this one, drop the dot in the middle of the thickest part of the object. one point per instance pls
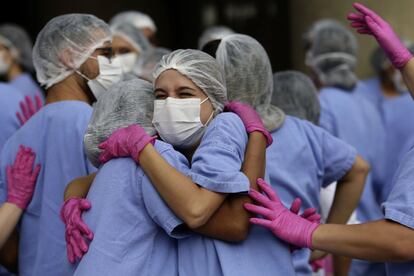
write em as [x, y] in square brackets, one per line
[341, 265]
[9, 217]
[191, 203]
[79, 187]
[377, 241]
[408, 75]
[348, 192]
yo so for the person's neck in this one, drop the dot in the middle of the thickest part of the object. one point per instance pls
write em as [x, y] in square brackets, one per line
[67, 90]
[14, 71]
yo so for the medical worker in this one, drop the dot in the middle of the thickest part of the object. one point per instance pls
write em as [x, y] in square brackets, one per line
[128, 45]
[139, 20]
[16, 64]
[72, 60]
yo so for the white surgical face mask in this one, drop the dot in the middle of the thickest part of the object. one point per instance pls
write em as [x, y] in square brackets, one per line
[109, 74]
[4, 67]
[177, 121]
[127, 61]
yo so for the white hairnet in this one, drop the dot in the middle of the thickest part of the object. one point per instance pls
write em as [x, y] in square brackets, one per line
[126, 103]
[248, 74]
[138, 19]
[296, 95]
[147, 62]
[200, 68]
[65, 43]
[133, 35]
[332, 54]
[213, 33]
[18, 41]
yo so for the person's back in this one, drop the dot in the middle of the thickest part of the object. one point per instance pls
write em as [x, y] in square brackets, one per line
[56, 134]
[133, 228]
[27, 85]
[350, 117]
[305, 159]
[9, 105]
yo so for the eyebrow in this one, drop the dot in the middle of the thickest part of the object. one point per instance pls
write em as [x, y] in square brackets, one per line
[186, 87]
[159, 90]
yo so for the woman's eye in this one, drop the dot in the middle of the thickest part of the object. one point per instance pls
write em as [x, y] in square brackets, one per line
[186, 95]
[160, 97]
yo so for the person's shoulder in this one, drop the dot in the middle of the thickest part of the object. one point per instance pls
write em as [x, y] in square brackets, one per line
[228, 120]
[68, 111]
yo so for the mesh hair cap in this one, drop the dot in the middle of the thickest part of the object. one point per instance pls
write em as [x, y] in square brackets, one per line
[246, 67]
[126, 103]
[65, 43]
[200, 68]
[296, 95]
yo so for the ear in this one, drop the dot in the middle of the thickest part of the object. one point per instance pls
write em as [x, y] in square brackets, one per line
[65, 57]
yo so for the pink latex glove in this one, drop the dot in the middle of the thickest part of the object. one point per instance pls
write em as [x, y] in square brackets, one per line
[21, 179]
[309, 214]
[28, 108]
[281, 221]
[368, 22]
[250, 118]
[76, 230]
[125, 142]
[317, 264]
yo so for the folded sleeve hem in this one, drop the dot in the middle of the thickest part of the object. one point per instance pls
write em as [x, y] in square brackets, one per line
[240, 186]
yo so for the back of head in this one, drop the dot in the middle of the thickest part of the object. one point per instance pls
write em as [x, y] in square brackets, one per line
[296, 95]
[213, 33]
[65, 43]
[131, 34]
[246, 67]
[332, 54]
[137, 19]
[200, 68]
[19, 42]
[147, 62]
[126, 103]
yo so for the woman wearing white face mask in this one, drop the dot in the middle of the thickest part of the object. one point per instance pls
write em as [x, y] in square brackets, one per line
[128, 44]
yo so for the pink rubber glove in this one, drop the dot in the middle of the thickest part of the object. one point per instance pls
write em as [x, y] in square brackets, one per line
[21, 179]
[317, 264]
[250, 118]
[310, 214]
[125, 142]
[28, 109]
[368, 22]
[281, 221]
[76, 230]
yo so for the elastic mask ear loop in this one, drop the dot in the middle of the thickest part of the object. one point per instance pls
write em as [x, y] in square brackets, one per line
[212, 113]
[82, 75]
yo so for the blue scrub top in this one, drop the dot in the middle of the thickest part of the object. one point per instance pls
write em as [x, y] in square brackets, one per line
[399, 207]
[351, 117]
[55, 133]
[10, 98]
[399, 132]
[26, 85]
[303, 159]
[261, 253]
[134, 229]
